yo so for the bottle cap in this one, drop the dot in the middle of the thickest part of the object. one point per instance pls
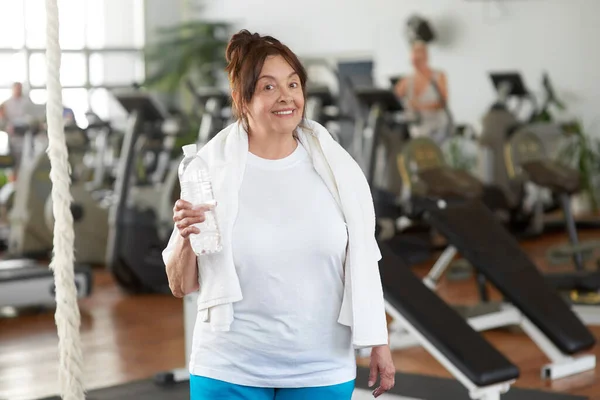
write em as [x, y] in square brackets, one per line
[189, 150]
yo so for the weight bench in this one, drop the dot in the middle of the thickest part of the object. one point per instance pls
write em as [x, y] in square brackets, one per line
[431, 322]
[472, 230]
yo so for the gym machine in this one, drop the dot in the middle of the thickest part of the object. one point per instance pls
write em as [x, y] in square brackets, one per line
[527, 159]
[518, 163]
[134, 246]
[24, 201]
[30, 217]
[215, 111]
[26, 282]
[528, 201]
[385, 129]
[90, 200]
[450, 201]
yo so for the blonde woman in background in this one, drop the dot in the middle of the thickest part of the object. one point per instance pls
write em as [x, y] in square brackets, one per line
[425, 93]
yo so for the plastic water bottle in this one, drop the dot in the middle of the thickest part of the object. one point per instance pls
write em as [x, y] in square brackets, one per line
[196, 188]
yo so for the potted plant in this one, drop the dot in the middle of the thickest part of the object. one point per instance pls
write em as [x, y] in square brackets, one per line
[581, 153]
[460, 149]
[191, 51]
[186, 57]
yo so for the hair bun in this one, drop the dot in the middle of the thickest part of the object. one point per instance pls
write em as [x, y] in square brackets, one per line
[240, 44]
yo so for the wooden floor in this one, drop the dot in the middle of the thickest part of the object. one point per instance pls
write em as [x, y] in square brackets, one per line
[127, 338]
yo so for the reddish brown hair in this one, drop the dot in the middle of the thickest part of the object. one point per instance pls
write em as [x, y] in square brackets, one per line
[246, 53]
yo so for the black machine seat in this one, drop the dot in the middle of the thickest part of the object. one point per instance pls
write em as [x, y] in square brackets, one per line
[474, 231]
[422, 162]
[441, 325]
[447, 182]
[526, 154]
[551, 175]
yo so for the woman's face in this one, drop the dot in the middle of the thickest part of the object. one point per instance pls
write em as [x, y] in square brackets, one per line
[278, 101]
[419, 56]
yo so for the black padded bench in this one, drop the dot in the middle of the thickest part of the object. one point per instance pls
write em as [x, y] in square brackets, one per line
[441, 325]
[473, 230]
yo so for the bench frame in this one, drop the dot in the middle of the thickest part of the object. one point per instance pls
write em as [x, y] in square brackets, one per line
[492, 392]
[560, 366]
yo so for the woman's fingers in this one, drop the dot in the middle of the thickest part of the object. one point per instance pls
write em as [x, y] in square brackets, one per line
[183, 214]
[184, 210]
[189, 221]
[189, 231]
[181, 205]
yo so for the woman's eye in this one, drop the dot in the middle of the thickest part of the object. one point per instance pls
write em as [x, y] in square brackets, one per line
[294, 85]
[269, 87]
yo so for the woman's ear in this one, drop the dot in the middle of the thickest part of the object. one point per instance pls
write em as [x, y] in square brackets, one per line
[237, 103]
[234, 99]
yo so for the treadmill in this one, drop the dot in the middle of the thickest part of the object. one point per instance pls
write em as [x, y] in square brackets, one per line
[133, 251]
[216, 112]
[28, 283]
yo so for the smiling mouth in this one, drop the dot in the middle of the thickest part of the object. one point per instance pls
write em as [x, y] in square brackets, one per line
[283, 113]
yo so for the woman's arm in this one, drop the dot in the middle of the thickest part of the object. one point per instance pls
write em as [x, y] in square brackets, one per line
[443, 85]
[400, 88]
[181, 262]
[182, 269]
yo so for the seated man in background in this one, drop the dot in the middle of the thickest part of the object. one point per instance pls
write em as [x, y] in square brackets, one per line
[15, 110]
[425, 93]
[16, 113]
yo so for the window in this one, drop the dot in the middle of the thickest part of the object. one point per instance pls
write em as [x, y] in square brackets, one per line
[102, 43]
[72, 69]
[13, 68]
[105, 105]
[116, 69]
[12, 34]
[124, 18]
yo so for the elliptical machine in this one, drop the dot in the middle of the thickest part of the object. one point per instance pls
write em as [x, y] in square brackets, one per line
[518, 161]
[90, 199]
[523, 201]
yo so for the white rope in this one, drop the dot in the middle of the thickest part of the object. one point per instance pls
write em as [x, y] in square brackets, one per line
[67, 311]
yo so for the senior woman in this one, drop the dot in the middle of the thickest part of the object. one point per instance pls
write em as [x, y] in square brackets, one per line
[296, 288]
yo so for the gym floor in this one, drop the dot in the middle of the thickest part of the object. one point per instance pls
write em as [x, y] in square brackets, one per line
[127, 338]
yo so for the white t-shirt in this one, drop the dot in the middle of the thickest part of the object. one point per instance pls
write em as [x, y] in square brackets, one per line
[289, 245]
[17, 109]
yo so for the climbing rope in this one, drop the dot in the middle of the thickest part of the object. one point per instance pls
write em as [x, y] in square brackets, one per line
[67, 311]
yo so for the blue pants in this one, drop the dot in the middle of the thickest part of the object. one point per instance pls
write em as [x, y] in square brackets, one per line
[202, 388]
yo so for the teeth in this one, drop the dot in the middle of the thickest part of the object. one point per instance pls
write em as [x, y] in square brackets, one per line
[283, 112]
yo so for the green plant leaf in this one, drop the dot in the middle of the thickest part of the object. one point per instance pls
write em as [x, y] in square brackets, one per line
[190, 50]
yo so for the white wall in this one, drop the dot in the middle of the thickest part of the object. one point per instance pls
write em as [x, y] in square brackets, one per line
[559, 36]
[163, 14]
[159, 14]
